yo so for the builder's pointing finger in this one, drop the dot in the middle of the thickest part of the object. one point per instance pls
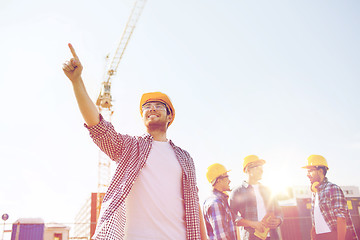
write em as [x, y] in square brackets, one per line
[73, 51]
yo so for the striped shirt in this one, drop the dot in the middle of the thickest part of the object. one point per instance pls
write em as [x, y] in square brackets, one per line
[333, 204]
[219, 220]
[130, 153]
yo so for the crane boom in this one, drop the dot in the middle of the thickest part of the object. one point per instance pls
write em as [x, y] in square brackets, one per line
[129, 29]
[104, 99]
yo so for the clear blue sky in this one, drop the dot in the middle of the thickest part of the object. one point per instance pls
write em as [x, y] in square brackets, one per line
[279, 79]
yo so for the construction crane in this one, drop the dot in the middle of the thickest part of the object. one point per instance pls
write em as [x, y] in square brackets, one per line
[104, 100]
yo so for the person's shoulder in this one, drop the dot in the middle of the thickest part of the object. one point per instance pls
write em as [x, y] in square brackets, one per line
[179, 149]
[140, 141]
[240, 188]
[332, 190]
[332, 185]
[144, 137]
[212, 201]
[243, 185]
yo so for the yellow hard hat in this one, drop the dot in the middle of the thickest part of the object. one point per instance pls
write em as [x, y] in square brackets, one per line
[157, 97]
[214, 171]
[316, 160]
[252, 160]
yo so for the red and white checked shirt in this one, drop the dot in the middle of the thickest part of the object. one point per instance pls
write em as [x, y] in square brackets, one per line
[130, 153]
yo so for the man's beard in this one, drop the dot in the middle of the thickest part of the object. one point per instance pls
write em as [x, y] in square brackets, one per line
[312, 180]
[152, 126]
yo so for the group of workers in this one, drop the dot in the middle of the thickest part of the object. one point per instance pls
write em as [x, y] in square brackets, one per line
[153, 194]
[250, 206]
[256, 212]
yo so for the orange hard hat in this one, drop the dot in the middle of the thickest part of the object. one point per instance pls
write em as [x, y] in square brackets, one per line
[157, 97]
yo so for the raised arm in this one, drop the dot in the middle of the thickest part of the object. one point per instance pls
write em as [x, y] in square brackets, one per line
[72, 70]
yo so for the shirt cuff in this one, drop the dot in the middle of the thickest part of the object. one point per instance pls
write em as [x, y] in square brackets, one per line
[340, 213]
[99, 129]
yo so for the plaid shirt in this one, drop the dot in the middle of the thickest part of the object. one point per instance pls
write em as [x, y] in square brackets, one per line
[220, 223]
[333, 204]
[130, 153]
[243, 202]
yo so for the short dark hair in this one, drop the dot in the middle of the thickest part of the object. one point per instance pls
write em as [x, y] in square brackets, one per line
[323, 168]
[168, 111]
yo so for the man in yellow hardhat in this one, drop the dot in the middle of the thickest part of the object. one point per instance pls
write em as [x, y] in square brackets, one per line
[218, 217]
[330, 216]
[153, 194]
[258, 214]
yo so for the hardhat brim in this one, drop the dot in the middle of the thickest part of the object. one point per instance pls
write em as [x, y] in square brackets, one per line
[261, 161]
[214, 180]
[310, 166]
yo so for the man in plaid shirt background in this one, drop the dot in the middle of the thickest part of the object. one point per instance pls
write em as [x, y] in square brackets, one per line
[219, 220]
[153, 193]
[330, 215]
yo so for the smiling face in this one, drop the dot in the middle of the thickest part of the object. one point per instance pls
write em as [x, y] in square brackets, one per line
[156, 116]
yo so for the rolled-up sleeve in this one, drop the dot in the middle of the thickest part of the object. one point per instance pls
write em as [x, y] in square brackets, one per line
[107, 139]
[338, 202]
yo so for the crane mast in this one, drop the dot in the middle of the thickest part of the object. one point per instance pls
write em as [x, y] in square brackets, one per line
[104, 100]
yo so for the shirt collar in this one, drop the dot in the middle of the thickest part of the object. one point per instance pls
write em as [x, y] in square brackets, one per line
[148, 135]
[246, 184]
[220, 194]
[323, 183]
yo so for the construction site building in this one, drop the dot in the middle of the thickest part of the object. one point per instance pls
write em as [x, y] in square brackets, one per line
[85, 220]
[36, 229]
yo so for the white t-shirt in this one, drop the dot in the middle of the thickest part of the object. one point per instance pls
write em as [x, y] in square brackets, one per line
[261, 210]
[154, 206]
[320, 223]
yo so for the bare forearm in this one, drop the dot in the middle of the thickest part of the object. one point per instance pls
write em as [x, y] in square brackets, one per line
[202, 225]
[313, 233]
[87, 108]
[253, 224]
[73, 69]
[341, 228]
[244, 222]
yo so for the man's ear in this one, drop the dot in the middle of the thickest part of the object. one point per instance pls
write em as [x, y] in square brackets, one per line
[170, 117]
